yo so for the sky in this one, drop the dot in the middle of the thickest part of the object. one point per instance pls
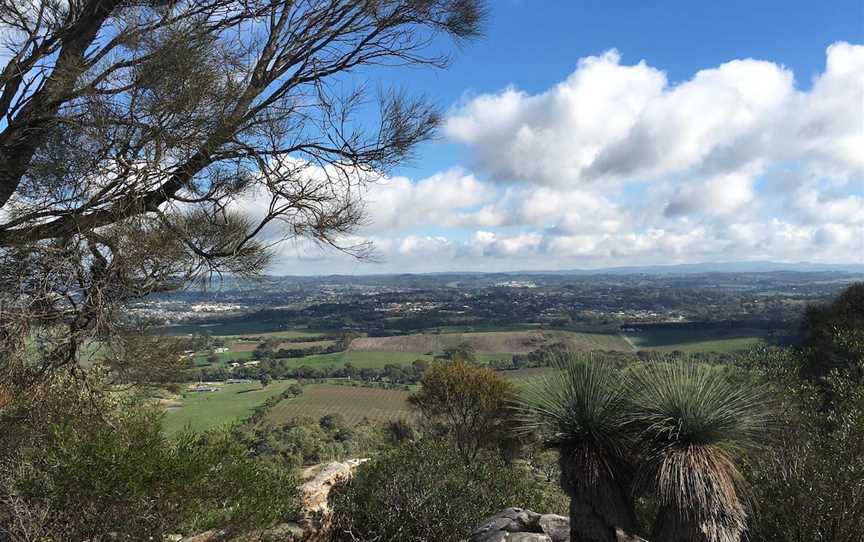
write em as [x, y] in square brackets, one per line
[586, 134]
[582, 134]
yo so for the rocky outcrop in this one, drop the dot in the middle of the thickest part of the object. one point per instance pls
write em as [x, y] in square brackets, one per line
[315, 509]
[313, 523]
[518, 525]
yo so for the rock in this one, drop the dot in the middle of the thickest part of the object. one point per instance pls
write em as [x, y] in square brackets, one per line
[315, 492]
[557, 527]
[518, 525]
[528, 537]
[314, 521]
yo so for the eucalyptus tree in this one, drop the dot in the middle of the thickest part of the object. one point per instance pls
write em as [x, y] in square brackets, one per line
[147, 143]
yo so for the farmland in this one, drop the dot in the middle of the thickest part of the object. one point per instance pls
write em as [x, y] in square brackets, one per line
[205, 410]
[693, 341]
[354, 403]
[490, 342]
[376, 352]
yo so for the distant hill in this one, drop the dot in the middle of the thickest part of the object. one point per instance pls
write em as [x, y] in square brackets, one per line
[713, 267]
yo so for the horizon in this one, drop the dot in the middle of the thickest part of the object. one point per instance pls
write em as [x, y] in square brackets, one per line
[758, 266]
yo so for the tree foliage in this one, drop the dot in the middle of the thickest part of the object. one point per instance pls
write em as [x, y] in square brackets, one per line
[470, 404]
[826, 330]
[147, 143]
[84, 467]
[422, 492]
[807, 485]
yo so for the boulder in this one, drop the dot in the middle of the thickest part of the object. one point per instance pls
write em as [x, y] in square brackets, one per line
[518, 525]
[313, 523]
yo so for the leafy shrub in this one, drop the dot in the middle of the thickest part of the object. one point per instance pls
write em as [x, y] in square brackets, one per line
[110, 469]
[423, 492]
[808, 485]
[304, 441]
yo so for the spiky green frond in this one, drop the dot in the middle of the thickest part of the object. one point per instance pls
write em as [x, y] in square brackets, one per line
[693, 421]
[580, 408]
[679, 403]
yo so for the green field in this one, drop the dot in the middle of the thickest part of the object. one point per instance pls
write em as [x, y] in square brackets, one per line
[354, 403]
[692, 341]
[585, 342]
[235, 329]
[376, 352]
[205, 410]
[224, 357]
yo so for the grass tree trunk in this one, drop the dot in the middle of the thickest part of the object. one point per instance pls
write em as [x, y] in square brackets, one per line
[600, 510]
[671, 525]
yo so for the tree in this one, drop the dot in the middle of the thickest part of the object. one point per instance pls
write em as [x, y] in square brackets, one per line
[823, 328]
[695, 423]
[807, 485]
[461, 352]
[581, 411]
[265, 380]
[134, 133]
[419, 366]
[470, 404]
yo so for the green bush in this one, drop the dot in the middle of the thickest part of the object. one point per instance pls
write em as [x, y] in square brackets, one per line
[305, 441]
[423, 492]
[112, 470]
[808, 485]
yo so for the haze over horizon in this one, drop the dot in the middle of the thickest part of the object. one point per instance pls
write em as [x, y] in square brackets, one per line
[625, 147]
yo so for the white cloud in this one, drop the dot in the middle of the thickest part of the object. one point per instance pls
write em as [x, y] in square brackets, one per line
[615, 165]
[400, 203]
[614, 122]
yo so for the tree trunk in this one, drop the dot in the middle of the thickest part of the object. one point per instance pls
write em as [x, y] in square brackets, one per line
[672, 526]
[600, 512]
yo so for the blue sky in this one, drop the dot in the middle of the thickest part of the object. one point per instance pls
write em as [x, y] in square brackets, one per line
[533, 44]
[717, 147]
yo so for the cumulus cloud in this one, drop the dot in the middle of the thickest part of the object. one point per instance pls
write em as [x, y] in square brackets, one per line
[610, 121]
[616, 165]
[399, 202]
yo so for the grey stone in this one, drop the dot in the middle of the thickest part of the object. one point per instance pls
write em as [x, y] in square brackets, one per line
[518, 525]
[528, 537]
[557, 527]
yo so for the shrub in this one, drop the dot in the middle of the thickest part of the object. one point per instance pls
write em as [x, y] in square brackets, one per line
[422, 491]
[304, 441]
[81, 479]
[808, 486]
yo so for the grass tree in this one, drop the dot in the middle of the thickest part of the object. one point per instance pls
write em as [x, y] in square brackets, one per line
[581, 410]
[693, 423]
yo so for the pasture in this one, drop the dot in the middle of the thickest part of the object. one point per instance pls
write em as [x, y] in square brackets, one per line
[483, 342]
[354, 403]
[199, 411]
[695, 340]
